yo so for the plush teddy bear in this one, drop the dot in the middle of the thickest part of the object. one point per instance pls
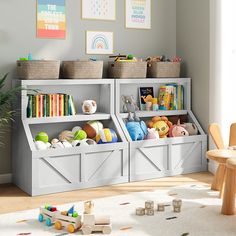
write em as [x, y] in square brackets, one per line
[161, 124]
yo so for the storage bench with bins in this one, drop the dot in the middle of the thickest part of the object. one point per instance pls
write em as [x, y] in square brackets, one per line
[168, 156]
[55, 170]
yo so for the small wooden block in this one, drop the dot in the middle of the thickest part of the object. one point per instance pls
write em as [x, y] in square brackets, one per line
[177, 203]
[149, 205]
[149, 212]
[160, 207]
[140, 211]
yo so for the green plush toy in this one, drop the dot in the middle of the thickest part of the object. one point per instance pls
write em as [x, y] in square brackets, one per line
[42, 136]
[80, 135]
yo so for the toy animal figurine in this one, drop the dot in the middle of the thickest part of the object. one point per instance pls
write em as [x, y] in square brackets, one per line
[137, 130]
[161, 124]
[130, 106]
[89, 107]
[191, 128]
[178, 130]
[152, 134]
[96, 224]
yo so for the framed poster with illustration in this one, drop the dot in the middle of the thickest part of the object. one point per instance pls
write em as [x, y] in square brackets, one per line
[51, 19]
[143, 93]
[99, 9]
[138, 14]
[99, 42]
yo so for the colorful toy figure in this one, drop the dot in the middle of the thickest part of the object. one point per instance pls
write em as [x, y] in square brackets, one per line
[48, 213]
[178, 130]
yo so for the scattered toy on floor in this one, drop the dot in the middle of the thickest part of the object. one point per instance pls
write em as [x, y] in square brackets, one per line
[160, 207]
[88, 207]
[177, 203]
[140, 211]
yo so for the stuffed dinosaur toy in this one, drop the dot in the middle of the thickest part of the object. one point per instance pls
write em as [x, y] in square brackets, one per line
[130, 106]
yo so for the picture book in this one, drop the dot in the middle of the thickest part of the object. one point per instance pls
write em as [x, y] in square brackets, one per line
[143, 93]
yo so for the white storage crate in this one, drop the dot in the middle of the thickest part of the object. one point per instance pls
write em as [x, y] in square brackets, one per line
[164, 157]
[56, 170]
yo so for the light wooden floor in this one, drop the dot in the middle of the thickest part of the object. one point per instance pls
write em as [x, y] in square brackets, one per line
[13, 199]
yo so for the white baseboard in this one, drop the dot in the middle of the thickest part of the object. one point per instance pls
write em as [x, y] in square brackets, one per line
[5, 178]
[212, 167]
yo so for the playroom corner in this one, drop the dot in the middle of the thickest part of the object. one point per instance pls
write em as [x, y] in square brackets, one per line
[117, 118]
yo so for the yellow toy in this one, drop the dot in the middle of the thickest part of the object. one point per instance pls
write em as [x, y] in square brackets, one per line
[161, 124]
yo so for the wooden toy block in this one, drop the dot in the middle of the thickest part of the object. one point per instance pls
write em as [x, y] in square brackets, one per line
[149, 212]
[177, 203]
[149, 205]
[140, 211]
[96, 224]
[88, 207]
[160, 207]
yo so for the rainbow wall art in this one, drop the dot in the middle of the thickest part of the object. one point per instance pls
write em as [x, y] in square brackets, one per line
[99, 42]
[51, 19]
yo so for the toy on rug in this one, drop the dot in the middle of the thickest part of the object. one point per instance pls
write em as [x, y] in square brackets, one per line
[88, 207]
[160, 207]
[92, 223]
[48, 213]
[84, 142]
[177, 203]
[191, 128]
[70, 220]
[92, 128]
[106, 136]
[152, 134]
[148, 209]
[161, 124]
[130, 106]
[178, 130]
[89, 107]
[137, 130]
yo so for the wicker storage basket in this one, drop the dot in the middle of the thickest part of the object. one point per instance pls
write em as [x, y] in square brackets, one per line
[163, 69]
[82, 69]
[123, 69]
[37, 70]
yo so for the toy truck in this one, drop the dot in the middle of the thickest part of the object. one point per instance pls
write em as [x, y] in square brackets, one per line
[48, 214]
[96, 224]
[69, 222]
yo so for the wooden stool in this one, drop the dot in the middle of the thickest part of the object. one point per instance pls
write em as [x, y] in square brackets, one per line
[228, 206]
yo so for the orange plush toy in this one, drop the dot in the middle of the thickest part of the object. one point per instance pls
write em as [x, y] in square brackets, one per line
[161, 124]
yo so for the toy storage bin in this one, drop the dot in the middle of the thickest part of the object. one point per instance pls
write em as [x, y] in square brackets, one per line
[38, 69]
[82, 69]
[164, 157]
[123, 69]
[163, 69]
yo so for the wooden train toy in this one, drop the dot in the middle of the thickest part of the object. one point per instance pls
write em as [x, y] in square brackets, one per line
[72, 221]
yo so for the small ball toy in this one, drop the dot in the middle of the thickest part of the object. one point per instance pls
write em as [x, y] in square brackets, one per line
[54, 141]
[106, 136]
[40, 145]
[42, 136]
[66, 144]
[76, 128]
[92, 128]
[80, 135]
[58, 145]
[66, 135]
[84, 142]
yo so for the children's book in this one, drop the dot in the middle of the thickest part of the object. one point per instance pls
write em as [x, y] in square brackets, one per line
[144, 92]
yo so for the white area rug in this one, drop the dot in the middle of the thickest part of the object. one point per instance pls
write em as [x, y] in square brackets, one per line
[200, 215]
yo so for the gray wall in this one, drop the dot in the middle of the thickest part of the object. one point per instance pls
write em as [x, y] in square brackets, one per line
[18, 30]
[193, 45]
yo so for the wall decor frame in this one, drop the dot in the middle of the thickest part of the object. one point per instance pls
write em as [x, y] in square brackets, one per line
[99, 42]
[98, 9]
[51, 19]
[138, 14]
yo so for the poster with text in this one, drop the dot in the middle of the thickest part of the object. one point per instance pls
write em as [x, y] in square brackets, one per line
[99, 9]
[138, 14]
[99, 42]
[51, 19]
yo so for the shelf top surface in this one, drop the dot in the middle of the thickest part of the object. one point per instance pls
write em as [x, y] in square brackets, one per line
[153, 80]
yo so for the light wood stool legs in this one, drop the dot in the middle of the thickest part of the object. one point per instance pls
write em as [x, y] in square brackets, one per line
[228, 207]
[218, 178]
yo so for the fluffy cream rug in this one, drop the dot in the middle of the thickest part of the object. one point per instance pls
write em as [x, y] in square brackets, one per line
[200, 215]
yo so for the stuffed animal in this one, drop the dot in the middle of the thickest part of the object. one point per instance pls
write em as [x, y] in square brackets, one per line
[89, 107]
[191, 128]
[178, 130]
[130, 106]
[161, 124]
[152, 134]
[137, 130]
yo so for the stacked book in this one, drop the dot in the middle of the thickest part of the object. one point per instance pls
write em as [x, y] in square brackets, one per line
[171, 97]
[50, 105]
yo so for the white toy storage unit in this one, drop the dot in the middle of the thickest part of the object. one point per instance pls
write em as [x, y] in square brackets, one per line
[168, 156]
[55, 170]
[40, 172]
